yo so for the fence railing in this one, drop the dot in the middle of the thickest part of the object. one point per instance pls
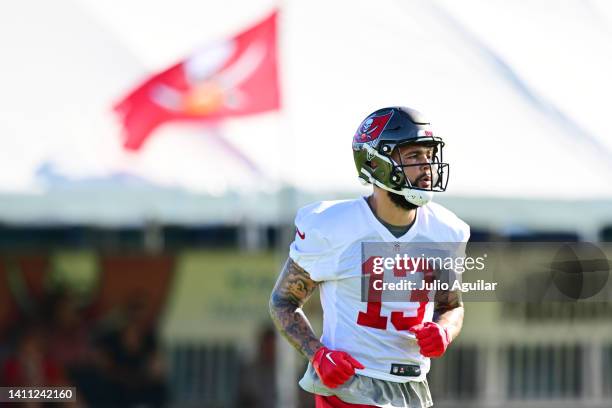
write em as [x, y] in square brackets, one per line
[538, 375]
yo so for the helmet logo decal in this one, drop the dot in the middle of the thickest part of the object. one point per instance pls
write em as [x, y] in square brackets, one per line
[366, 125]
[371, 128]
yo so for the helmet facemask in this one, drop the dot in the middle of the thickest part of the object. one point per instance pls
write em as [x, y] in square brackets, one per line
[385, 172]
[434, 169]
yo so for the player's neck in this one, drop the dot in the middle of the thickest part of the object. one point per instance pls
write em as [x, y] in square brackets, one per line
[388, 211]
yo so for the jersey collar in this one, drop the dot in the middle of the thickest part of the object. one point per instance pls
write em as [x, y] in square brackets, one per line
[382, 230]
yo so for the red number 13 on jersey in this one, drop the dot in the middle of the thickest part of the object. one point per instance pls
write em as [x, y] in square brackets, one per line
[372, 317]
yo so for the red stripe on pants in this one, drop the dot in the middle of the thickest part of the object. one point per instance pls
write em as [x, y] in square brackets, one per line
[335, 402]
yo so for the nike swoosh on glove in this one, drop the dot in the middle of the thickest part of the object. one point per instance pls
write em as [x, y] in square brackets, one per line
[334, 367]
[433, 339]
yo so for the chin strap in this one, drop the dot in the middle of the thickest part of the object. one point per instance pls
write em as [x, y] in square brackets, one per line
[416, 197]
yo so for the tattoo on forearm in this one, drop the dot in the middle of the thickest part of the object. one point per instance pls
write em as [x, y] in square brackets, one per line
[447, 300]
[448, 311]
[293, 288]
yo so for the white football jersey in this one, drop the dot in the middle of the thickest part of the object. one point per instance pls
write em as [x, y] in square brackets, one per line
[328, 246]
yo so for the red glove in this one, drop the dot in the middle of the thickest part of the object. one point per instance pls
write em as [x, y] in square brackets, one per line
[433, 339]
[334, 367]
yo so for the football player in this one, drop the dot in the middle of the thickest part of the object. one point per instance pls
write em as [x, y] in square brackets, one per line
[372, 353]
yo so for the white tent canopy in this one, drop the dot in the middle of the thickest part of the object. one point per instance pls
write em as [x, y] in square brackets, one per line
[519, 100]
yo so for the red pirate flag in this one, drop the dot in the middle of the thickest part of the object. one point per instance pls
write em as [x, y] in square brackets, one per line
[371, 128]
[230, 78]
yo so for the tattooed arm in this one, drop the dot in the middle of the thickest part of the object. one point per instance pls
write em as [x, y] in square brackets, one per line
[292, 290]
[448, 311]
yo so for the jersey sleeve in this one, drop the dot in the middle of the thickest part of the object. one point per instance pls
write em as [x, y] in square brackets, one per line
[464, 232]
[461, 236]
[311, 249]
